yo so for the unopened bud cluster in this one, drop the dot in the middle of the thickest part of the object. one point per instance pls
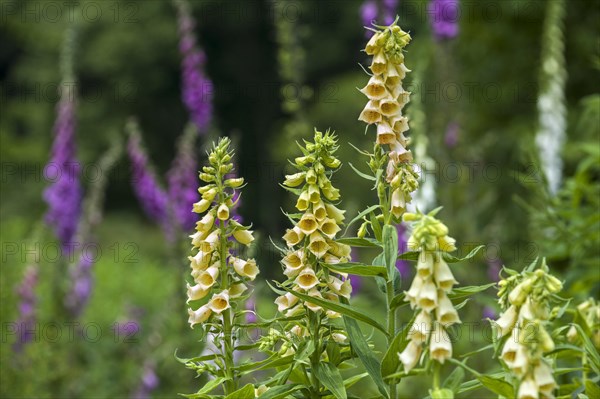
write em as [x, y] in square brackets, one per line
[311, 241]
[589, 311]
[525, 299]
[387, 97]
[428, 293]
[217, 274]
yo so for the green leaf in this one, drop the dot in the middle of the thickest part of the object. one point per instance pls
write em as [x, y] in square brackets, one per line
[340, 308]
[354, 379]
[247, 392]
[410, 255]
[359, 242]
[360, 215]
[497, 386]
[462, 292]
[358, 269]
[364, 353]
[331, 379]
[390, 248]
[589, 348]
[454, 380]
[398, 301]
[280, 392]
[376, 226]
[453, 259]
[209, 386]
[304, 351]
[361, 174]
[592, 390]
[442, 394]
[391, 361]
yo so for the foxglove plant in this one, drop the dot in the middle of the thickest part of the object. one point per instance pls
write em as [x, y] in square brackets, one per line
[64, 194]
[197, 89]
[526, 300]
[147, 189]
[27, 307]
[310, 264]
[444, 16]
[219, 277]
[182, 192]
[428, 294]
[371, 12]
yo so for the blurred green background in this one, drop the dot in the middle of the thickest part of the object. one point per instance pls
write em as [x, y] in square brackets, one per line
[128, 63]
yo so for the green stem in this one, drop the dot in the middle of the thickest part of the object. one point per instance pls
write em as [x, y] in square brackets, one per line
[436, 375]
[316, 355]
[230, 383]
[391, 328]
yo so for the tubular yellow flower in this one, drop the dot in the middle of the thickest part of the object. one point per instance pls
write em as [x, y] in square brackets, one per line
[410, 355]
[208, 277]
[244, 237]
[223, 212]
[201, 206]
[286, 301]
[198, 316]
[308, 224]
[245, 268]
[307, 279]
[196, 292]
[219, 302]
[295, 180]
[293, 236]
[440, 348]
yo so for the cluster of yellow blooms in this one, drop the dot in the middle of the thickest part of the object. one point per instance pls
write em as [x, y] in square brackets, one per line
[429, 290]
[387, 97]
[214, 270]
[311, 241]
[526, 309]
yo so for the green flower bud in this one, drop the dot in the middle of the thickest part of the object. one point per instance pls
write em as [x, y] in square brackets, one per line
[311, 177]
[206, 177]
[362, 230]
[226, 168]
[444, 393]
[234, 183]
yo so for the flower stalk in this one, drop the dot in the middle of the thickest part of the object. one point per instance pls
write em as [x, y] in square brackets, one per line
[217, 273]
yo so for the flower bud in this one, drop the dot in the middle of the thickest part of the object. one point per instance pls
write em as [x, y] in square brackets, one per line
[234, 183]
[507, 321]
[305, 160]
[205, 177]
[224, 169]
[410, 356]
[201, 206]
[331, 162]
[311, 177]
[294, 180]
[210, 194]
[362, 230]
[244, 237]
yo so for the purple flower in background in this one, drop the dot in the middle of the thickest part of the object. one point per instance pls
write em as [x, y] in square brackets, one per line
[81, 285]
[148, 383]
[355, 281]
[370, 13]
[197, 89]
[28, 301]
[251, 306]
[151, 196]
[452, 134]
[402, 265]
[64, 193]
[183, 190]
[489, 313]
[494, 268]
[443, 17]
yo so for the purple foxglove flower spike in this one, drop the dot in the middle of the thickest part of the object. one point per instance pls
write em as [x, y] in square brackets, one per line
[81, 289]
[197, 89]
[443, 17]
[27, 304]
[452, 134]
[151, 196]
[64, 194]
[182, 181]
[148, 383]
[402, 265]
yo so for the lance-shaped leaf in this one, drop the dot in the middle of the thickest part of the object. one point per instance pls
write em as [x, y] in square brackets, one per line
[358, 269]
[390, 248]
